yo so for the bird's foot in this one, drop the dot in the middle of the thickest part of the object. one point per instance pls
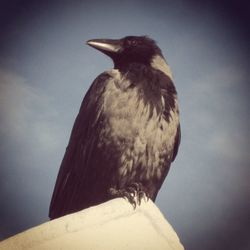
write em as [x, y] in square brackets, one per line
[134, 193]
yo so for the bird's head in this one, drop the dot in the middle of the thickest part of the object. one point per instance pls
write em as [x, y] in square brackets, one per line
[127, 50]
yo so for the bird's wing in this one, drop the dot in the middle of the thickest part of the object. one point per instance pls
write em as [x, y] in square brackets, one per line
[80, 159]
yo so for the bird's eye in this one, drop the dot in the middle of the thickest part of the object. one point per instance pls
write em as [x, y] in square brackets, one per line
[133, 42]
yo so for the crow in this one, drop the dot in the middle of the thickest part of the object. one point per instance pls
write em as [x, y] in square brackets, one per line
[127, 131]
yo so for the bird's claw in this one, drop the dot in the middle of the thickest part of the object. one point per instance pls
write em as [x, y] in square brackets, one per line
[134, 193]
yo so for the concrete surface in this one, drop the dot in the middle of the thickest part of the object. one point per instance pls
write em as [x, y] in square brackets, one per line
[111, 225]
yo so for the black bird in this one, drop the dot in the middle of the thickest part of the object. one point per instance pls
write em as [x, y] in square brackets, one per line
[127, 131]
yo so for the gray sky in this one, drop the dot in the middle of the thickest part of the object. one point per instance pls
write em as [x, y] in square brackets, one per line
[46, 68]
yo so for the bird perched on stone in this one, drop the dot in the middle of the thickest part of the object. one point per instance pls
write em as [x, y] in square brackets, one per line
[127, 131]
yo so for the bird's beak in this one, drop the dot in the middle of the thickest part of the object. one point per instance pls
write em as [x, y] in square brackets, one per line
[107, 46]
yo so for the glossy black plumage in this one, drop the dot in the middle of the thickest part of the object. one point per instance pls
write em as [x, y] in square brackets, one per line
[126, 134]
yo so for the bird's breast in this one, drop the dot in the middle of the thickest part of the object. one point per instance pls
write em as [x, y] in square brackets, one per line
[140, 134]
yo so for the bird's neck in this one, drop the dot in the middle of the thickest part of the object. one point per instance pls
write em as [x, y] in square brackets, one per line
[159, 63]
[131, 67]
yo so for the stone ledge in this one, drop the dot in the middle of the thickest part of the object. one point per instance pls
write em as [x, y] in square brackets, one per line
[111, 225]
